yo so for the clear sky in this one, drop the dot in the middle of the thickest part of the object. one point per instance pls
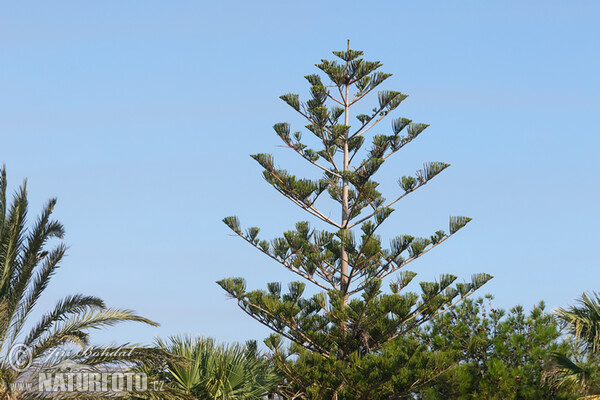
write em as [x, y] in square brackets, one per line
[140, 115]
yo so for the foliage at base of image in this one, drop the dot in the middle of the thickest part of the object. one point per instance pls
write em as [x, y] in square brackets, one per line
[400, 368]
[206, 370]
[507, 355]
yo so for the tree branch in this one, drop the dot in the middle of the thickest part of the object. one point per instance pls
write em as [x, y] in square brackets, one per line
[309, 208]
[282, 332]
[423, 320]
[387, 205]
[334, 99]
[398, 266]
[311, 161]
[285, 264]
[360, 131]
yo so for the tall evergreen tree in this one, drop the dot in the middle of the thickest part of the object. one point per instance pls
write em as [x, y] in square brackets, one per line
[351, 324]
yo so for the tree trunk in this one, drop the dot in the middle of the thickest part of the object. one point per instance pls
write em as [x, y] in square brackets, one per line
[345, 278]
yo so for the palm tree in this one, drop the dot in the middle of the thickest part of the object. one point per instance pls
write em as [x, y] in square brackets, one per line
[216, 371]
[581, 371]
[26, 267]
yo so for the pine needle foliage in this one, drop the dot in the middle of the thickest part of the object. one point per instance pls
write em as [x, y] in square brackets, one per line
[351, 320]
[506, 354]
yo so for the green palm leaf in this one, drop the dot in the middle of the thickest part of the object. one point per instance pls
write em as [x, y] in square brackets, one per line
[218, 372]
[26, 267]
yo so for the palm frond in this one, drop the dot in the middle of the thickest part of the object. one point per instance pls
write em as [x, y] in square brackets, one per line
[11, 240]
[583, 321]
[26, 301]
[74, 327]
[215, 371]
[68, 306]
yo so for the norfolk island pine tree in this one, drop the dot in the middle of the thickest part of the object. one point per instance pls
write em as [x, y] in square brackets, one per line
[350, 340]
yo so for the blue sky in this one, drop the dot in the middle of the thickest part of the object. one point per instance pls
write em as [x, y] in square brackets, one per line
[139, 117]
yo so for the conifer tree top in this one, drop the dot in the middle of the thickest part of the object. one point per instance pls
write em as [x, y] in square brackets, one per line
[350, 261]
